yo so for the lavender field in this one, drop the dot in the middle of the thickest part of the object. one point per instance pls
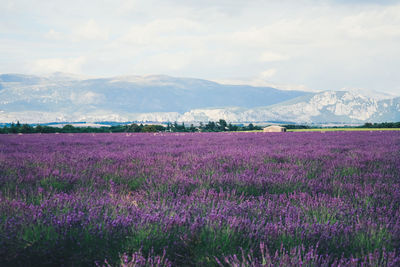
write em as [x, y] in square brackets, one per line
[202, 199]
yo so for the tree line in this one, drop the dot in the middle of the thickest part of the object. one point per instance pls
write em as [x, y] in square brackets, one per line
[26, 128]
[211, 126]
[381, 125]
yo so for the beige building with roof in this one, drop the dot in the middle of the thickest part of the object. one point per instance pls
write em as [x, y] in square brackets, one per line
[274, 129]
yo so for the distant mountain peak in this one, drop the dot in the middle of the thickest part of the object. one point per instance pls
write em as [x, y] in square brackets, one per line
[371, 93]
[68, 97]
[66, 76]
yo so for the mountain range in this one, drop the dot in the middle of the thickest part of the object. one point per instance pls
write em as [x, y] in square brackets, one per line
[62, 97]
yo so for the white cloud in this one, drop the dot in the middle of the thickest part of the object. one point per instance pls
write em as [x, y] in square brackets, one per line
[165, 62]
[271, 57]
[80, 31]
[90, 30]
[49, 65]
[262, 79]
[161, 31]
[326, 44]
[54, 35]
[377, 24]
[267, 73]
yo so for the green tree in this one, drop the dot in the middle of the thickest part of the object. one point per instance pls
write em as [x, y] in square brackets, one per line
[4, 130]
[134, 128]
[13, 128]
[192, 128]
[39, 128]
[48, 129]
[26, 128]
[222, 125]
[210, 127]
[149, 129]
[232, 127]
[68, 128]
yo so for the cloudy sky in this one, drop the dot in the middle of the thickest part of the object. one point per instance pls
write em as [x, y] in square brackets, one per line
[309, 44]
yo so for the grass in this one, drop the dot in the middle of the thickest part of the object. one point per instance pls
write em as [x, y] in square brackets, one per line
[331, 130]
[342, 129]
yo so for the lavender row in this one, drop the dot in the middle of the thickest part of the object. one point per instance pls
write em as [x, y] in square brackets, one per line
[200, 199]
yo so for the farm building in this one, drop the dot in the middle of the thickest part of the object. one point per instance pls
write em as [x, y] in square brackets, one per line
[274, 129]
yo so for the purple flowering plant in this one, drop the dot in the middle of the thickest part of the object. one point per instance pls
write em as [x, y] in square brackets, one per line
[200, 199]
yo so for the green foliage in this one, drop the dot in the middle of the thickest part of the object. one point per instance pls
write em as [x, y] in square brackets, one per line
[39, 234]
[212, 242]
[131, 184]
[41, 245]
[371, 240]
[296, 126]
[286, 188]
[250, 190]
[381, 125]
[26, 128]
[58, 185]
[211, 126]
[322, 215]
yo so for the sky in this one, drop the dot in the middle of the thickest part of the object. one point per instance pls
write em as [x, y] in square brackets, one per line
[289, 44]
